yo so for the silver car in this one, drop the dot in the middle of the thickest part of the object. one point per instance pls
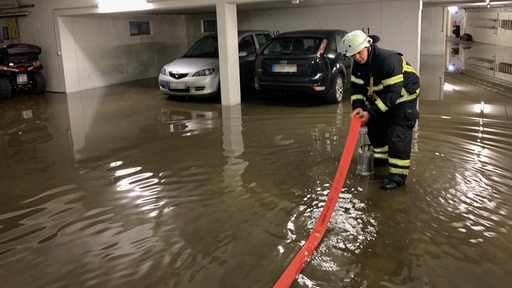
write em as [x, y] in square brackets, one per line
[197, 72]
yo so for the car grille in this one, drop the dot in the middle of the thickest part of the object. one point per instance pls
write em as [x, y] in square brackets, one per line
[178, 75]
[184, 90]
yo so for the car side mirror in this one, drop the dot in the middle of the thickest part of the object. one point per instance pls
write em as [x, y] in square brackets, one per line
[331, 54]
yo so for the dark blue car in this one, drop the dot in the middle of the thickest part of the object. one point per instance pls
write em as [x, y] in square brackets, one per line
[310, 61]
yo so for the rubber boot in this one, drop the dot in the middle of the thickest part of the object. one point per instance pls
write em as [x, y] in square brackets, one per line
[393, 181]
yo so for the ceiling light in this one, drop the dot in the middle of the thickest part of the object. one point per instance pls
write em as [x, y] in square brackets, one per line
[452, 9]
[295, 1]
[106, 6]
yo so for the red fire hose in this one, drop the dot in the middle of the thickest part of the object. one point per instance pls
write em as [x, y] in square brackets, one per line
[294, 268]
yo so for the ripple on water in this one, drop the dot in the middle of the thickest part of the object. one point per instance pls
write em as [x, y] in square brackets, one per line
[465, 179]
[350, 229]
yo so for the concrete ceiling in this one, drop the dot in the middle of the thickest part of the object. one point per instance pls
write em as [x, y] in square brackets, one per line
[427, 3]
[275, 4]
[279, 4]
[468, 4]
[208, 6]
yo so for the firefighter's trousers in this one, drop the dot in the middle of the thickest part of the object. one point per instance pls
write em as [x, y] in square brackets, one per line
[391, 136]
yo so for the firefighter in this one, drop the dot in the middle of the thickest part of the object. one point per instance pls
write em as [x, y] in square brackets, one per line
[385, 90]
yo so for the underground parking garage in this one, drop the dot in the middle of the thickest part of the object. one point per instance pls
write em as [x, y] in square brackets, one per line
[108, 183]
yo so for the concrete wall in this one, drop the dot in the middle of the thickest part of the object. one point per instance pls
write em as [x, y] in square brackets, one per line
[433, 49]
[433, 30]
[88, 51]
[396, 22]
[98, 50]
[39, 28]
[484, 26]
[493, 43]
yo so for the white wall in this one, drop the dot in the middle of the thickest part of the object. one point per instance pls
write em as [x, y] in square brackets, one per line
[492, 42]
[433, 30]
[433, 47]
[39, 28]
[476, 20]
[98, 50]
[396, 22]
[82, 52]
[194, 31]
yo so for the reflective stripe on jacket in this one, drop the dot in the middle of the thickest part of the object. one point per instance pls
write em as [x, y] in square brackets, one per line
[395, 81]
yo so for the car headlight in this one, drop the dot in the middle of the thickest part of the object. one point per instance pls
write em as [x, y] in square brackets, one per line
[204, 72]
[163, 72]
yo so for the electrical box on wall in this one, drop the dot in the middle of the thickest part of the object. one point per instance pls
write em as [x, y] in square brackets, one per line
[9, 30]
[12, 25]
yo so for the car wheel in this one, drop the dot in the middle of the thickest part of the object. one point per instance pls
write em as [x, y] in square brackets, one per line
[38, 85]
[336, 93]
[5, 88]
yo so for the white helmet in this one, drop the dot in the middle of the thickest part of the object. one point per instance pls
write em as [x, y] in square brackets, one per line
[355, 41]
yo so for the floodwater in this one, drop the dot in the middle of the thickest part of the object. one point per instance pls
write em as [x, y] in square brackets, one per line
[122, 187]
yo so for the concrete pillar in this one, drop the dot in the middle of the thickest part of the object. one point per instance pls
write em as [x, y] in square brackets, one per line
[233, 144]
[227, 29]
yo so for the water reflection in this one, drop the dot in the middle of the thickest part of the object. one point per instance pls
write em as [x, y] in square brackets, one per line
[432, 77]
[455, 63]
[192, 194]
[469, 170]
[481, 59]
[474, 60]
[233, 145]
[23, 126]
[185, 121]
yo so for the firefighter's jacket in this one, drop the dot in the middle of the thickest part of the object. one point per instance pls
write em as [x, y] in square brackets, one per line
[394, 82]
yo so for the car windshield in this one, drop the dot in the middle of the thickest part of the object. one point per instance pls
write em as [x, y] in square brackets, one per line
[293, 45]
[206, 47]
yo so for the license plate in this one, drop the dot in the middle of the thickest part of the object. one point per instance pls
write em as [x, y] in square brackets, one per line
[21, 79]
[289, 68]
[176, 85]
[26, 114]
